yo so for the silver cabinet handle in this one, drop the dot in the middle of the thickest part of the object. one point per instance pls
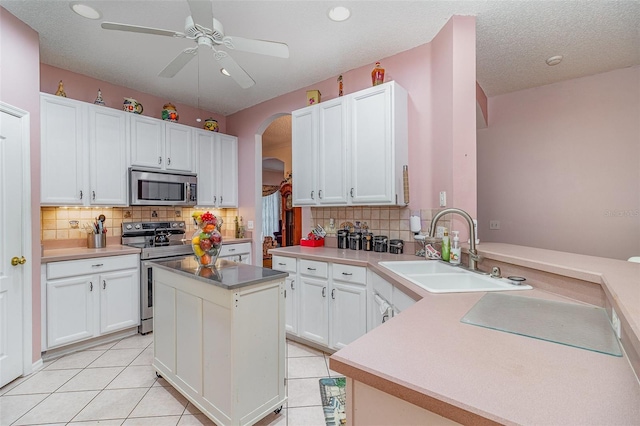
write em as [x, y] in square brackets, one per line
[347, 273]
[159, 160]
[285, 293]
[385, 317]
[97, 265]
[214, 199]
[312, 195]
[93, 195]
[168, 161]
[104, 284]
[311, 269]
[292, 287]
[324, 292]
[333, 296]
[90, 286]
[221, 199]
[320, 193]
[81, 194]
[282, 264]
[232, 249]
[351, 192]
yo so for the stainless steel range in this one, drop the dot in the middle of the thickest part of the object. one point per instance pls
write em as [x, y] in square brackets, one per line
[157, 240]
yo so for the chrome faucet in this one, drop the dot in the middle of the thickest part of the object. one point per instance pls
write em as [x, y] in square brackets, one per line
[473, 253]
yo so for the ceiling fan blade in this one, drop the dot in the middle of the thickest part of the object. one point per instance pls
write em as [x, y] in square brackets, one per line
[138, 29]
[201, 12]
[179, 62]
[262, 47]
[235, 71]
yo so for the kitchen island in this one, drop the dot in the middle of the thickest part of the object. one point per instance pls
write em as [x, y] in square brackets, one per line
[424, 365]
[219, 337]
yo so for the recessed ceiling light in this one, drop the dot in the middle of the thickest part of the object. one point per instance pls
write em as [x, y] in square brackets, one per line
[85, 11]
[339, 13]
[554, 60]
[225, 72]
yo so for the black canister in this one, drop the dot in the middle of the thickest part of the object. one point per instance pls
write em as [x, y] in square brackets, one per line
[343, 238]
[380, 243]
[396, 246]
[355, 241]
[367, 241]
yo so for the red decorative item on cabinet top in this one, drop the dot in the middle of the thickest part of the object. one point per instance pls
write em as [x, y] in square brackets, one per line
[377, 75]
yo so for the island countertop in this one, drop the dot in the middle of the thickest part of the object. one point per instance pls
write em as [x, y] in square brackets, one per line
[475, 375]
[228, 275]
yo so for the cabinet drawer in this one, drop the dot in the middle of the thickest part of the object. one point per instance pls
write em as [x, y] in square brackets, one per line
[95, 265]
[349, 273]
[313, 268]
[285, 264]
[233, 249]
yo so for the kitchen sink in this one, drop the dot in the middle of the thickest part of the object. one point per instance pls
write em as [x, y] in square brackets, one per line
[438, 277]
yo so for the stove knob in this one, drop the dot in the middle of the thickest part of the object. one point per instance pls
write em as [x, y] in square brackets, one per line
[137, 226]
[181, 224]
[128, 226]
[174, 225]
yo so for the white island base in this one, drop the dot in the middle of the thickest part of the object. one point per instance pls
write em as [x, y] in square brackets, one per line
[222, 348]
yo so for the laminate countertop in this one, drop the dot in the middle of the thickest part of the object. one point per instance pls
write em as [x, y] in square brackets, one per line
[476, 375]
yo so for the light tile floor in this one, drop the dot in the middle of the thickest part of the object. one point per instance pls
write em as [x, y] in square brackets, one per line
[114, 384]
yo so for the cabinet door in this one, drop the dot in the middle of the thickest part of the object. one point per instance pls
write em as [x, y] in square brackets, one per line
[205, 167]
[107, 156]
[291, 305]
[227, 166]
[372, 159]
[348, 313]
[333, 152]
[314, 309]
[178, 147]
[147, 142]
[62, 143]
[119, 300]
[304, 161]
[71, 304]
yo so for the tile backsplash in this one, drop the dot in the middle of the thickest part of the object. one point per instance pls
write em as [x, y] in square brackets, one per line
[66, 223]
[390, 221]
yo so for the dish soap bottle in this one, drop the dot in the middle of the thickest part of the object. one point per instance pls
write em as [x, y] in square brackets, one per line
[446, 246]
[454, 257]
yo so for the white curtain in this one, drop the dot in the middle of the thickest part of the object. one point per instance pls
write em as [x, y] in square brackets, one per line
[271, 214]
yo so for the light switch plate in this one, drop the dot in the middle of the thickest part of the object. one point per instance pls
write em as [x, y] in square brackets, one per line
[250, 224]
[443, 198]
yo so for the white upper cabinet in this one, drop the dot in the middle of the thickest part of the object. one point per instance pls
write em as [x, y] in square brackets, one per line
[107, 156]
[83, 153]
[62, 150]
[351, 150]
[161, 145]
[217, 169]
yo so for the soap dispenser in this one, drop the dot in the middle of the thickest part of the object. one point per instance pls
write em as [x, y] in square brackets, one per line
[446, 246]
[454, 257]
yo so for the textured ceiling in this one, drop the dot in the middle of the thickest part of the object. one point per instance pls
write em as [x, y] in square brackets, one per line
[513, 40]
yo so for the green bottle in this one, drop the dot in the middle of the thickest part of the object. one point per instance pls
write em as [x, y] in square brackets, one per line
[446, 246]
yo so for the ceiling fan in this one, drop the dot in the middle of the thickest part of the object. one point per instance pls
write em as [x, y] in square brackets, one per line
[197, 29]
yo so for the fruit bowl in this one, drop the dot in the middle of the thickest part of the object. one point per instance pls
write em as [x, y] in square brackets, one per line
[207, 240]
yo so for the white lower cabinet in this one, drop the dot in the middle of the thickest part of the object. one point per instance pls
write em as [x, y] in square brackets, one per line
[314, 304]
[382, 291]
[289, 264]
[331, 305]
[239, 252]
[90, 297]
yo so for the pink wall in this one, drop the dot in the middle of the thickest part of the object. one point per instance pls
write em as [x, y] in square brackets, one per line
[19, 82]
[83, 88]
[559, 166]
[453, 159]
[429, 110]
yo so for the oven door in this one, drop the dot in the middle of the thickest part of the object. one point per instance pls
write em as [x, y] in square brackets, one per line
[146, 293]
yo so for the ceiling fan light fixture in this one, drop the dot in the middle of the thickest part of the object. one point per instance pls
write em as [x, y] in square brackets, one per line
[339, 13]
[225, 72]
[85, 11]
[554, 60]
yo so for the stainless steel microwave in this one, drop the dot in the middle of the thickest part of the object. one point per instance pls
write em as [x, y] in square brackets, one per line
[148, 187]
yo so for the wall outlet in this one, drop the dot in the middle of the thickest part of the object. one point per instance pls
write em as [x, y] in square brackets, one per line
[250, 224]
[494, 224]
[615, 323]
[443, 198]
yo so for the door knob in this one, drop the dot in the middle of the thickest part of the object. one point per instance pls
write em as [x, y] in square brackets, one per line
[15, 261]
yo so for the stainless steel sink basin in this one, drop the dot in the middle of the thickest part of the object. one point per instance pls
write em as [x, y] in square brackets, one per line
[438, 277]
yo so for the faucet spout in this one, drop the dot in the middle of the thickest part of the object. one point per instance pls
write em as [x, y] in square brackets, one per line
[473, 253]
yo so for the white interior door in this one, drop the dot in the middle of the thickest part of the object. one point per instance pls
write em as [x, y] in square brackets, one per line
[14, 243]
